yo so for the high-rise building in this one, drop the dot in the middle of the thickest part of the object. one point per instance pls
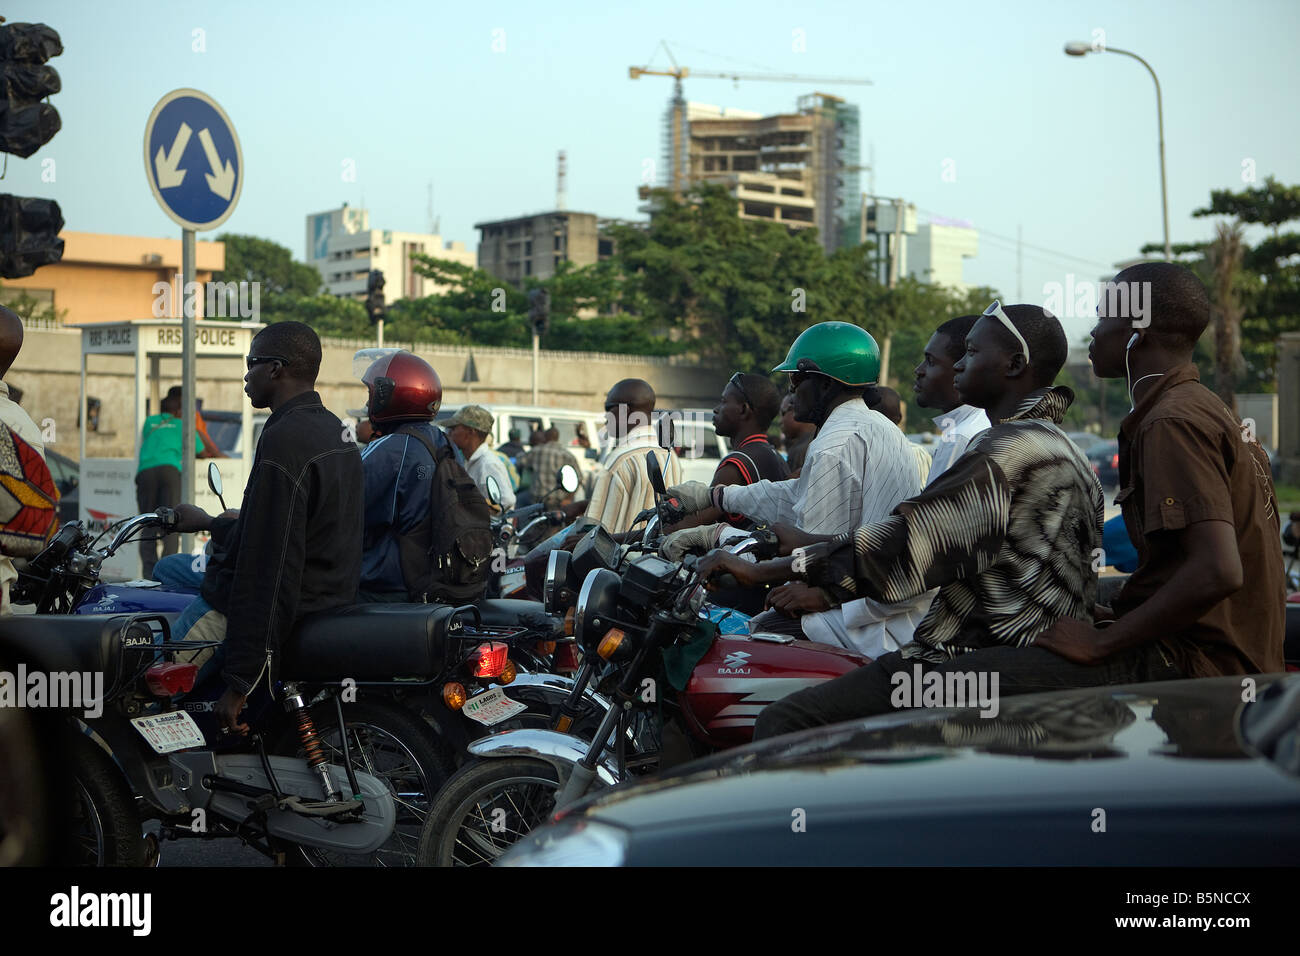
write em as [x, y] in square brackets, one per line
[799, 169]
[936, 253]
[517, 248]
[343, 247]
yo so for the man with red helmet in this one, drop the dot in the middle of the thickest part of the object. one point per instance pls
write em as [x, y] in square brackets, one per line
[404, 393]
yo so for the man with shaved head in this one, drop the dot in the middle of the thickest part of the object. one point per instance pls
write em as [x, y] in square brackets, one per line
[28, 499]
[623, 488]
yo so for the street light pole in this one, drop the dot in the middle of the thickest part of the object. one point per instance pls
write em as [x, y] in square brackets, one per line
[1082, 49]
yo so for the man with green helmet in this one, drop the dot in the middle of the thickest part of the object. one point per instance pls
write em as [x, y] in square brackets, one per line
[856, 470]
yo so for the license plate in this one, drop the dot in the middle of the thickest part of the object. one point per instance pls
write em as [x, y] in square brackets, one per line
[492, 707]
[174, 730]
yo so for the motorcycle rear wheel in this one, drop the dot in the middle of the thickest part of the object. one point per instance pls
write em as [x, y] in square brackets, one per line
[393, 745]
[485, 808]
[106, 827]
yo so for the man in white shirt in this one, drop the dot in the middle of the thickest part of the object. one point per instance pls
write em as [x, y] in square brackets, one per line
[468, 430]
[890, 404]
[858, 468]
[622, 489]
[934, 388]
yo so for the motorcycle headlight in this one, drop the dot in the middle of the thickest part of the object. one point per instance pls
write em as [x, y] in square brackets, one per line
[557, 580]
[575, 842]
[597, 602]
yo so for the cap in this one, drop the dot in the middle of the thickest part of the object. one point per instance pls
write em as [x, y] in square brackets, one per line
[472, 416]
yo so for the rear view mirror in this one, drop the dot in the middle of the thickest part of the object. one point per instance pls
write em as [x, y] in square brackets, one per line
[214, 482]
[655, 473]
[493, 490]
[567, 478]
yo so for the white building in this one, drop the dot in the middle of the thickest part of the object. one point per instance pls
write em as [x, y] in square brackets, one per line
[343, 247]
[935, 254]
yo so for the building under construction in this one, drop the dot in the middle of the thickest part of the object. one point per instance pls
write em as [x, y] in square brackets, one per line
[800, 169]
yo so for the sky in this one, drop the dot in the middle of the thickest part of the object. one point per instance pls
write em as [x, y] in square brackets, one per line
[974, 111]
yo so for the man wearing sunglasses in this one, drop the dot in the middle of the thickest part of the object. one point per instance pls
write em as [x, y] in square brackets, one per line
[857, 469]
[1008, 535]
[295, 545]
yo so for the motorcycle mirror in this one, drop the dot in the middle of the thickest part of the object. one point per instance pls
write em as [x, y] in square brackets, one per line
[567, 478]
[493, 490]
[656, 474]
[214, 483]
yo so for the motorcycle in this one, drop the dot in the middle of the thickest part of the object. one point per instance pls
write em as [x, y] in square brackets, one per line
[678, 688]
[516, 532]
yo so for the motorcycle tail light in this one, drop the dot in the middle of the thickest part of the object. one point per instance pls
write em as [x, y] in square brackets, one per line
[454, 696]
[567, 659]
[169, 679]
[489, 659]
[507, 673]
[610, 643]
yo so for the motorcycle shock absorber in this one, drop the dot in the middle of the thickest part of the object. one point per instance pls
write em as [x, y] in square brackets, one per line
[309, 737]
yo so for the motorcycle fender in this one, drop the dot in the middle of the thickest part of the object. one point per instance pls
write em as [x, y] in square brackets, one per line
[552, 687]
[562, 751]
[295, 777]
[148, 774]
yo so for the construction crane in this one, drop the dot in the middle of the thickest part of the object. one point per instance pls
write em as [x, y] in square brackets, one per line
[679, 73]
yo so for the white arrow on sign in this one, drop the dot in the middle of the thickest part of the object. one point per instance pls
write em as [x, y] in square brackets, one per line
[220, 181]
[165, 166]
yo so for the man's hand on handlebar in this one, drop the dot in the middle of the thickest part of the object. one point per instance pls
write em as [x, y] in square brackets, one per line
[747, 574]
[191, 518]
[791, 537]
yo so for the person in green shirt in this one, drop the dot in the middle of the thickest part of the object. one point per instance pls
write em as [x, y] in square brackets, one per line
[158, 478]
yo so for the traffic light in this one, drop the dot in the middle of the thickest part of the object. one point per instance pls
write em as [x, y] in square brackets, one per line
[29, 228]
[539, 310]
[375, 296]
[27, 124]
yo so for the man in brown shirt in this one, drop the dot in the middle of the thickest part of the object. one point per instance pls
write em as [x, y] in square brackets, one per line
[1196, 493]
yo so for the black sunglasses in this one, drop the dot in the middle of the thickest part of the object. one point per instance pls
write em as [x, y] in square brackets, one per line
[260, 359]
[735, 381]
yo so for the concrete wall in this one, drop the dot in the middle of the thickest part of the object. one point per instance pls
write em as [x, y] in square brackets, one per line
[48, 372]
[1288, 402]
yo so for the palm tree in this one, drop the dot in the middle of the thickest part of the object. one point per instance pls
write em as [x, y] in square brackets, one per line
[1223, 256]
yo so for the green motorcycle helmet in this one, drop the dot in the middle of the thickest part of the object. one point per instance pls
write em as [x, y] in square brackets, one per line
[838, 350]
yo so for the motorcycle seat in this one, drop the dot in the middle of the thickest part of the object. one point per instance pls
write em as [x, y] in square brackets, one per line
[371, 642]
[86, 643]
[507, 612]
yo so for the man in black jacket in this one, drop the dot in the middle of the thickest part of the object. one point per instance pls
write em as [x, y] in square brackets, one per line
[294, 546]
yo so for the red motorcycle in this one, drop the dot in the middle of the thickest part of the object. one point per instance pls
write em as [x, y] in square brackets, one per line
[670, 690]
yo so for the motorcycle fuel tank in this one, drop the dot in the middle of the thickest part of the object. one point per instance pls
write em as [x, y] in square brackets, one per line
[133, 597]
[741, 675]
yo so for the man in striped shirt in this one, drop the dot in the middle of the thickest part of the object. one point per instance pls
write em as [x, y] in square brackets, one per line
[1008, 535]
[857, 469]
[622, 490]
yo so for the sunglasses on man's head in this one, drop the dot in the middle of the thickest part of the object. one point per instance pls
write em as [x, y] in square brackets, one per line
[994, 311]
[735, 381]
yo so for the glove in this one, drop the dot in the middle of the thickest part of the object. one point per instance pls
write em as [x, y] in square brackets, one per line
[678, 544]
[693, 495]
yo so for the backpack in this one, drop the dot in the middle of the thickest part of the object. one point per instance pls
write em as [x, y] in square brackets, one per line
[447, 559]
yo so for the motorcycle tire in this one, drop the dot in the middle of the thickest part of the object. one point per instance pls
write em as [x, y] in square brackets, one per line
[476, 816]
[106, 827]
[380, 734]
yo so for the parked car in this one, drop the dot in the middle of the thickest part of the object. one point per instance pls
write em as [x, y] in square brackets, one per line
[1085, 440]
[1179, 773]
[696, 444]
[225, 428]
[1104, 458]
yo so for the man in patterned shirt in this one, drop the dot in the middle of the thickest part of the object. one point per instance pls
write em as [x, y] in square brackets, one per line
[546, 458]
[1008, 535]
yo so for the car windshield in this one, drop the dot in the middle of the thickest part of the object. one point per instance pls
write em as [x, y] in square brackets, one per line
[225, 434]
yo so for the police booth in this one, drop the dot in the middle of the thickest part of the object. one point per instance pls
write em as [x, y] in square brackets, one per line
[107, 485]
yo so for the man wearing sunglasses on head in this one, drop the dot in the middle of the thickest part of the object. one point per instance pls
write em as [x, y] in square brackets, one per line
[856, 470]
[1007, 535]
[294, 546]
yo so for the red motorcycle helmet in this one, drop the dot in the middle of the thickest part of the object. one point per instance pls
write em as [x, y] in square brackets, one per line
[401, 386]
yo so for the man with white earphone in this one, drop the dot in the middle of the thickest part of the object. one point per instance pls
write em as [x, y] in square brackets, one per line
[1196, 492]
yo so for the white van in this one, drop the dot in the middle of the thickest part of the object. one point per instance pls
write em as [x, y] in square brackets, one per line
[528, 418]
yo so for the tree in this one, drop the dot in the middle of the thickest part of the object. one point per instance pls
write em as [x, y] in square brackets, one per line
[250, 259]
[1223, 256]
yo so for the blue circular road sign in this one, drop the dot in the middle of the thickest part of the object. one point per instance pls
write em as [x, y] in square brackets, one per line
[192, 159]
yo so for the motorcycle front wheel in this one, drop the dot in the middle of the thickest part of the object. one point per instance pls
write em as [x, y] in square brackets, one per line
[485, 808]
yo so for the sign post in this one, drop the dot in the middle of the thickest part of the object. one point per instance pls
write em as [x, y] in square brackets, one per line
[195, 169]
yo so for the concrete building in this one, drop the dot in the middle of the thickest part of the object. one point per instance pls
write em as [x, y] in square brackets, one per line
[108, 278]
[936, 253]
[799, 169]
[535, 245]
[343, 247]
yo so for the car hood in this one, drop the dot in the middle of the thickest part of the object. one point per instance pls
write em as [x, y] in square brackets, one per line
[1157, 744]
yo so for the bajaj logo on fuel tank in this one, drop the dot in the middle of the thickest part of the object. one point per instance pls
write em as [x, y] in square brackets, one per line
[734, 663]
